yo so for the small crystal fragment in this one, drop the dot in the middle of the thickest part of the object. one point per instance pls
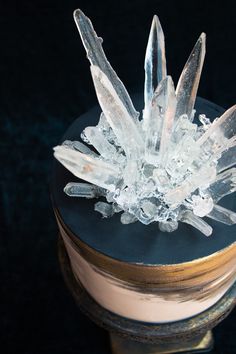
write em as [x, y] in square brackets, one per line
[127, 218]
[163, 168]
[168, 226]
[83, 190]
[160, 121]
[216, 138]
[201, 179]
[186, 90]
[77, 145]
[227, 159]
[189, 218]
[223, 215]
[104, 208]
[155, 64]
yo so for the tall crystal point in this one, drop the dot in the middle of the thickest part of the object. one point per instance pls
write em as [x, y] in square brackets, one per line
[93, 46]
[162, 167]
[160, 122]
[187, 87]
[155, 63]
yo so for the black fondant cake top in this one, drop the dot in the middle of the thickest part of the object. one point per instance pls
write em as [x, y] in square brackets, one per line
[136, 243]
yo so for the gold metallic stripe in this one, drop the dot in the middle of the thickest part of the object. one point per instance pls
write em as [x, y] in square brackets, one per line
[190, 274]
[179, 293]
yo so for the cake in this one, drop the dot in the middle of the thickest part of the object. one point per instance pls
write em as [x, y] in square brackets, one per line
[137, 271]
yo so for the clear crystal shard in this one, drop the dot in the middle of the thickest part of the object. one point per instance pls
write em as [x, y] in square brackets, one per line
[162, 168]
[88, 168]
[218, 137]
[124, 127]
[127, 218]
[227, 159]
[155, 63]
[189, 218]
[201, 179]
[77, 145]
[160, 122]
[224, 184]
[186, 90]
[93, 46]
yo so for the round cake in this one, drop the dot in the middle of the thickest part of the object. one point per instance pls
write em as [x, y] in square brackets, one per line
[136, 270]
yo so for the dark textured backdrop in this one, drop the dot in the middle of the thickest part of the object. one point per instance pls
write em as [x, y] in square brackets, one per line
[44, 84]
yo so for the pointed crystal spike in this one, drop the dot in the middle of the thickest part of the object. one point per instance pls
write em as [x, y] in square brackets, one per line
[224, 184]
[93, 46]
[99, 141]
[122, 124]
[88, 168]
[227, 159]
[189, 218]
[83, 190]
[160, 122]
[155, 63]
[223, 215]
[186, 90]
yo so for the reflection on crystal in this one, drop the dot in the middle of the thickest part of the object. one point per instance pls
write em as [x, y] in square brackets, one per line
[162, 167]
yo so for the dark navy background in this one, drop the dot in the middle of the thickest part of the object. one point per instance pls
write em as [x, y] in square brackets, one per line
[44, 85]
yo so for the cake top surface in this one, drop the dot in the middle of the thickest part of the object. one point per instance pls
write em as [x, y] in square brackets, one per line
[135, 243]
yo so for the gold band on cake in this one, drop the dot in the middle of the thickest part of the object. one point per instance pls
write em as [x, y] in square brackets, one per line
[157, 293]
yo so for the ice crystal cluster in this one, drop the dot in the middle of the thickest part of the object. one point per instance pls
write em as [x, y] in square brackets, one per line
[161, 166]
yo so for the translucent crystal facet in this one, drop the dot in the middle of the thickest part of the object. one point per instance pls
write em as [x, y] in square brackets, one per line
[160, 167]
